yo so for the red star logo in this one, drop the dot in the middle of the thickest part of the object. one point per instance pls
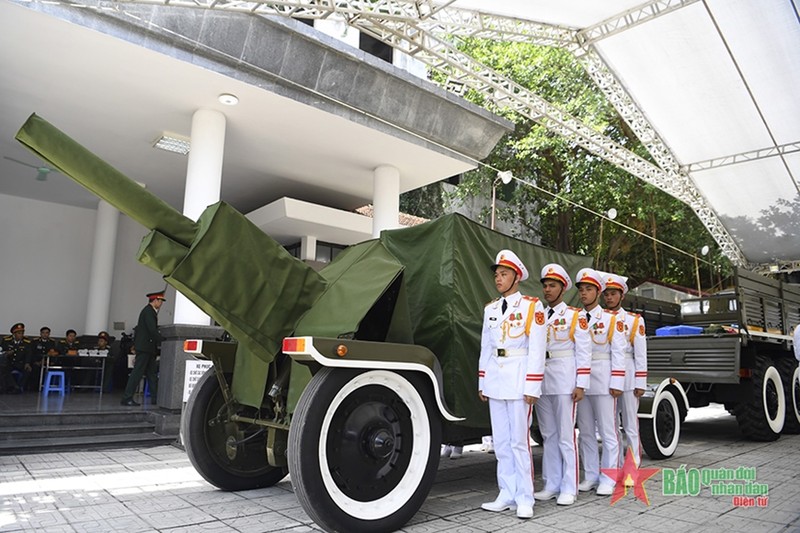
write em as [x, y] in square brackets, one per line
[630, 476]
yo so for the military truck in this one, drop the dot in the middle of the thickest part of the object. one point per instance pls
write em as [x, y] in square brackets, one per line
[733, 348]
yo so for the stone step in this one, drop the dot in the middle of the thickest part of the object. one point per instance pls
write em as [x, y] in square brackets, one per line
[9, 433]
[110, 417]
[95, 442]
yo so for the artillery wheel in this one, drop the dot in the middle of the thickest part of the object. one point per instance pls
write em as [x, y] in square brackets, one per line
[762, 417]
[660, 434]
[215, 446]
[790, 375]
[364, 449]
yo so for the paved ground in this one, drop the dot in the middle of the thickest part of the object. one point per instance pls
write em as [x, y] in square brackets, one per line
[156, 489]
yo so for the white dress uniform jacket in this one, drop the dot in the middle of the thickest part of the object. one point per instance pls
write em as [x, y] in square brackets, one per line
[631, 326]
[569, 351]
[608, 352]
[512, 348]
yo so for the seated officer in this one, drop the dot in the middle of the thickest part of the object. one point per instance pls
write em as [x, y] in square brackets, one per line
[41, 346]
[70, 344]
[16, 366]
[102, 342]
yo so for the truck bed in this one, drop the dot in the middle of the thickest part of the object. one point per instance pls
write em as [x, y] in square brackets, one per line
[695, 358]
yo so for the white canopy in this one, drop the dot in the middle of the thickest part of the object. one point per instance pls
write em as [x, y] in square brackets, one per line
[718, 81]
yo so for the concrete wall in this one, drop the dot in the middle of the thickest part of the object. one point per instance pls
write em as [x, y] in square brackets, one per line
[132, 281]
[45, 254]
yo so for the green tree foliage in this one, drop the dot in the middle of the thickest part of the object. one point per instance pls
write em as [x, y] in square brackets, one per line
[561, 167]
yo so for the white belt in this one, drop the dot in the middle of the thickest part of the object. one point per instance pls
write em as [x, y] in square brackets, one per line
[511, 352]
[601, 356]
[556, 354]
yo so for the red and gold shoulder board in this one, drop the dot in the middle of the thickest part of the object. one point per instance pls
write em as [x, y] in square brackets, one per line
[539, 318]
[582, 323]
[620, 326]
[531, 298]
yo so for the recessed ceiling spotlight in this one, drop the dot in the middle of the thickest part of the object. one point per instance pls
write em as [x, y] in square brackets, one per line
[173, 143]
[228, 99]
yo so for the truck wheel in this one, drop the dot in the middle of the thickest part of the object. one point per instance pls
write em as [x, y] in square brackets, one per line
[660, 434]
[790, 375]
[364, 449]
[762, 417]
[217, 448]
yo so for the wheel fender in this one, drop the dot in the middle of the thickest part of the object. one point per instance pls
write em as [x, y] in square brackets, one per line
[653, 393]
[367, 355]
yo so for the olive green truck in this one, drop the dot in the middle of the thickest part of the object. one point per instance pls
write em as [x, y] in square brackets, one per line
[732, 348]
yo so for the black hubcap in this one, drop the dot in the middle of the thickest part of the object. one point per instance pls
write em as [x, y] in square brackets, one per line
[796, 398]
[665, 423]
[380, 443]
[369, 443]
[772, 400]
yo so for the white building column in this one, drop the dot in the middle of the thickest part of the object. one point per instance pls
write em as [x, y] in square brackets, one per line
[385, 199]
[308, 248]
[203, 185]
[101, 271]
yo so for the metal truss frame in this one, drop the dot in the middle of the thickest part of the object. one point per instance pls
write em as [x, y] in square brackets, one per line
[743, 157]
[779, 267]
[426, 29]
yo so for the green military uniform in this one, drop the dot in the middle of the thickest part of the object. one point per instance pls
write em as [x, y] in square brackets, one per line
[39, 348]
[68, 348]
[146, 339]
[16, 358]
[42, 347]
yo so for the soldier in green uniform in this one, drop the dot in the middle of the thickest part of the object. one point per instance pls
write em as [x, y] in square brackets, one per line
[145, 340]
[16, 350]
[41, 346]
[69, 345]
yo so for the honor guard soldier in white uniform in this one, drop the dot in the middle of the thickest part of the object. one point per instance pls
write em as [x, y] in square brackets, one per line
[631, 326]
[566, 377]
[510, 374]
[599, 408]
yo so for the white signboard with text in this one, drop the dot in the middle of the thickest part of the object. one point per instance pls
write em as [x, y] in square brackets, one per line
[194, 371]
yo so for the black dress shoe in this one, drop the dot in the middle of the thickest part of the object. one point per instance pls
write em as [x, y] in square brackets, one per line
[129, 402]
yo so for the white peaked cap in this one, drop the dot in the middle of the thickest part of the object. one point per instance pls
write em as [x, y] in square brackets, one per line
[557, 272]
[590, 275]
[509, 259]
[615, 281]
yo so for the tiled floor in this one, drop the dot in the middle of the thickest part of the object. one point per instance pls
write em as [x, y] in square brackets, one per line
[156, 489]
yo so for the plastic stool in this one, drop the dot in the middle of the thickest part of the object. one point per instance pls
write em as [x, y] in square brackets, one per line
[48, 384]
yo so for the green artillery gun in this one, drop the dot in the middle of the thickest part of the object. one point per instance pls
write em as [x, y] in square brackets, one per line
[349, 378]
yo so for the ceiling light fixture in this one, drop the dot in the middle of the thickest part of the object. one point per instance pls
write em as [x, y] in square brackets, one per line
[228, 99]
[173, 143]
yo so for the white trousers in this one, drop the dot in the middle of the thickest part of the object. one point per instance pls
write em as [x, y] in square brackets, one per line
[598, 411]
[556, 415]
[511, 422]
[628, 406]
